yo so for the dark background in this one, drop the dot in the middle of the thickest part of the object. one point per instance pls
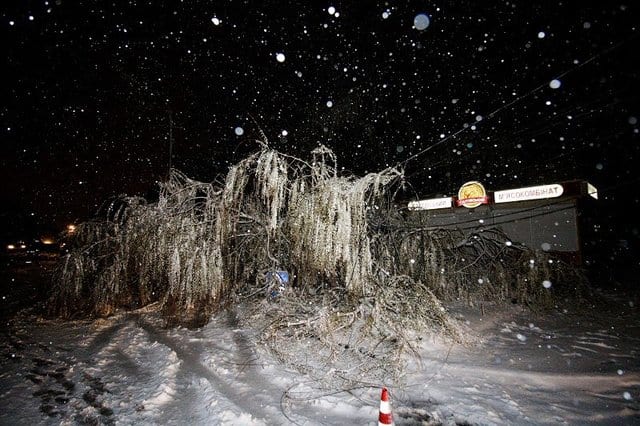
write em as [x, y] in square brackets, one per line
[93, 92]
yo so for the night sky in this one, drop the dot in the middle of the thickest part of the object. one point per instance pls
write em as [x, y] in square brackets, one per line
[511, 93]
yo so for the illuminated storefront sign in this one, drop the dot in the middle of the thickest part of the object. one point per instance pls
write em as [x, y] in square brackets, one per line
[529, 193]
[432, 204]
[471, 195]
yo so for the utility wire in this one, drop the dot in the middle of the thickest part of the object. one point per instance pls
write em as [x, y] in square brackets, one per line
[513, 102]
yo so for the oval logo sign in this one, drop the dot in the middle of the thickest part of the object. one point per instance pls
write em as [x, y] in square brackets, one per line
[471, 195]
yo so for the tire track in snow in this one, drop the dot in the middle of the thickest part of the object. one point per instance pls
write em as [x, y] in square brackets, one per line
[191, 363]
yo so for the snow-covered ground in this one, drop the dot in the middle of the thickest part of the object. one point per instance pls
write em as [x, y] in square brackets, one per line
[556, 368]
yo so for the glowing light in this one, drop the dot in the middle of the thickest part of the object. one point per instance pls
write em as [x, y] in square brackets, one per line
[11, 247]
[71, 228]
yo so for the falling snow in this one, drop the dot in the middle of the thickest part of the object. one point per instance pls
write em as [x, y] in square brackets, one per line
[102, 98]
[421, 22]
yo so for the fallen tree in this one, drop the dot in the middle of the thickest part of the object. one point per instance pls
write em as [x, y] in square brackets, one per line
[361, 278]
[200, 242]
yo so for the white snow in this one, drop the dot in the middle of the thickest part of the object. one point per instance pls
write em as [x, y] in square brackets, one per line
[521, 368]
[421, 22]
[555, 84]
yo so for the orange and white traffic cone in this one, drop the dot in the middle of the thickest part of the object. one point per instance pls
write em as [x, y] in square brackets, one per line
[385, 418]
